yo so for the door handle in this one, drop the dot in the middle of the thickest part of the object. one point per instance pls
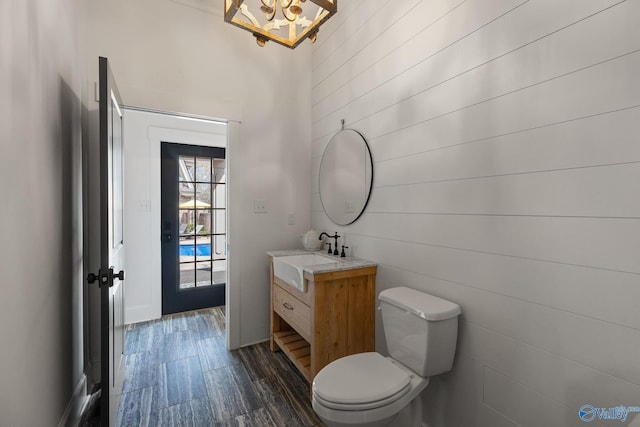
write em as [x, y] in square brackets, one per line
[105, 279]
[287, 306]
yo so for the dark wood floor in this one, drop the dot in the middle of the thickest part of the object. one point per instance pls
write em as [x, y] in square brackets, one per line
[179, 373]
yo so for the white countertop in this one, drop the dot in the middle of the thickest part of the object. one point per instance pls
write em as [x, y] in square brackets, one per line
[346, 263]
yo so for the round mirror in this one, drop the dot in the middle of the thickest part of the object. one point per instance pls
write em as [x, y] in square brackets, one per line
[346, 175]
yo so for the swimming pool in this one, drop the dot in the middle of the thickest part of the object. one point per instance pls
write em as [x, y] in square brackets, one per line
[201, 249]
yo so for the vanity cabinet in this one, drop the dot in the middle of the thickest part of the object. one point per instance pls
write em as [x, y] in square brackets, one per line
[333, 318]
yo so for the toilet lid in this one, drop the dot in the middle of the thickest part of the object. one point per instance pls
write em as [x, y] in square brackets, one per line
[359, 379]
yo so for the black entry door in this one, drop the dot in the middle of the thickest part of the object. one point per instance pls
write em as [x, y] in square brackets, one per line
[193, 215]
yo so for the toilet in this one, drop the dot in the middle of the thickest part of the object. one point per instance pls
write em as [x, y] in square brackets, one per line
[368, 389]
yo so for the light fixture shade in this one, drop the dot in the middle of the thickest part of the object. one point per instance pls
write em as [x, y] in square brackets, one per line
[286, 22]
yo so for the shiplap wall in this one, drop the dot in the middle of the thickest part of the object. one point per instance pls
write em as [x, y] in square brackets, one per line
[506, 143]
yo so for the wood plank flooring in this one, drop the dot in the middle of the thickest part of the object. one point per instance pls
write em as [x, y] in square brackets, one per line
[179, 373]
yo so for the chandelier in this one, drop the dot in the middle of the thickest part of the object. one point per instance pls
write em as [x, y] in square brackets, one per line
[287, 22]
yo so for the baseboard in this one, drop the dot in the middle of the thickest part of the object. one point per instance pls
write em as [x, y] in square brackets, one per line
[254, 343]
[73, 413]
[140, 313]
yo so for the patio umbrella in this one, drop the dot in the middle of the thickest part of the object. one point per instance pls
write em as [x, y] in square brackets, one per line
[194, 204]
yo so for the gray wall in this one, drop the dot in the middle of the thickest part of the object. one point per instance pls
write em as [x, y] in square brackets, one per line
[506, 167]
[41, 360]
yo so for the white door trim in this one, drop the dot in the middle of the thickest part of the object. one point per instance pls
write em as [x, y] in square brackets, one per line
[170, 127]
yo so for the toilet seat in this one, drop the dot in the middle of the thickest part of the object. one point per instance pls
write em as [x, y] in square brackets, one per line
[363, 406]
[359, 382]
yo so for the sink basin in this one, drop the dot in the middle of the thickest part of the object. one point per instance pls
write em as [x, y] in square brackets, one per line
[289, 268]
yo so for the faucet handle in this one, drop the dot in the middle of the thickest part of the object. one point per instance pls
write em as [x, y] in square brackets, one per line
[335, 250]
[342, 255]
[329, 251]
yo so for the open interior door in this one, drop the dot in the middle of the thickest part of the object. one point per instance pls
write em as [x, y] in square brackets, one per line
[110, 277]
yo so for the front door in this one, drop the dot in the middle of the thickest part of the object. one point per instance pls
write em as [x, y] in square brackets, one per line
[111, 275]
[193, 218]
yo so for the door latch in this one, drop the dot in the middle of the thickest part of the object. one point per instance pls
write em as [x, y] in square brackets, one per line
[105, 279]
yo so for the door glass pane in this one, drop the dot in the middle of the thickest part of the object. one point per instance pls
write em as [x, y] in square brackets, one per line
[186, 223]
[218, 272]
[203, 169]
[187, 275]
[219, 250]
[219, 195]
[219, 171]
[203, 196]
[203, 274]
[187, 194]
[203, 248]
[204, 220]
[186, 166]
[219, 222]
[187, 251]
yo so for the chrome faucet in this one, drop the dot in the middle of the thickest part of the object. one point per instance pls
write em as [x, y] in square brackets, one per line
[335, 251]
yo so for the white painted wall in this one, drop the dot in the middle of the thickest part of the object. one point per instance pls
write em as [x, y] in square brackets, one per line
[504, 135]
[169, 56]
[41, 362]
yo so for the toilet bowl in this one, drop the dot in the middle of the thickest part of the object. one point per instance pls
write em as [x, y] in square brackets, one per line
[368, 389]
[345, 393]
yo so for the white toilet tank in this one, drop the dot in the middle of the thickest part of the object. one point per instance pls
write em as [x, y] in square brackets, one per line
[421, 329]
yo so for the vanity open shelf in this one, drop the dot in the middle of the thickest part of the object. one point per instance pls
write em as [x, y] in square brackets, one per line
[297, 349]
[333, 316]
